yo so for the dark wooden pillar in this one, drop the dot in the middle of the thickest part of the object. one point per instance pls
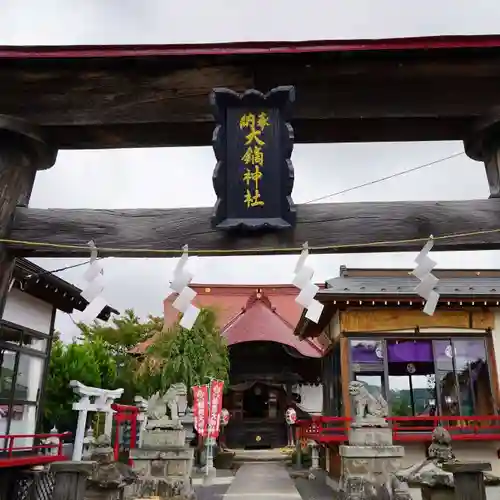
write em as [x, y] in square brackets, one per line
[23, 151]
[484, 145]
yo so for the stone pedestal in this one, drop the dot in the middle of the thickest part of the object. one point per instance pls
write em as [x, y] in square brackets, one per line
[109, 478]
[187, 422]
[442, 477]
[71, 479]
[437, 493]
[167, 435]
[469, 479]
[164, 464]
[369, 462]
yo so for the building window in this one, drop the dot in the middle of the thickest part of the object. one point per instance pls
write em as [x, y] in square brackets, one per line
[463, 377]
[368, 353]
[29, 378]
[411, 378]
[367, 361]
[427, 377]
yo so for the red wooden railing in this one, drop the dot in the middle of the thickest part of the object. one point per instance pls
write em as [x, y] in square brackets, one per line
[125, 413]
[461, 428]
[405, 429]
[13, 456]
[324, 429]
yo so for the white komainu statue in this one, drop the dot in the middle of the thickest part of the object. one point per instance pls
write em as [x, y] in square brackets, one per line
[172, 396]
[367, 407]
[156, 407]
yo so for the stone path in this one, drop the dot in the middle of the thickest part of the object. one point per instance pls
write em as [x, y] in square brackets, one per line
[315, 489]
[216, 489]
[262, 481]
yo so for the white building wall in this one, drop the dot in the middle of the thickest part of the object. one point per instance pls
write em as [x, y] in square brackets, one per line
[28, 311]
[311, 397]
[25, 310]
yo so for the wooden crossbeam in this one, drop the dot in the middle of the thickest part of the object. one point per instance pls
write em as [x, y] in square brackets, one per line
[321, 225]
[307, 131]
[111, 102]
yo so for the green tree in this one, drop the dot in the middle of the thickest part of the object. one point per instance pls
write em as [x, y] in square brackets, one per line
[401, 404]
[102, 358]
[119, 338]
[88, 362]
[187, 356]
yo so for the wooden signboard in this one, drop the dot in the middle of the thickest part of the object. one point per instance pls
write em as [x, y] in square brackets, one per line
[253, 141]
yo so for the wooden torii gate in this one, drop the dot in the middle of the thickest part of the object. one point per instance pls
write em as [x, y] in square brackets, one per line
[421, 89]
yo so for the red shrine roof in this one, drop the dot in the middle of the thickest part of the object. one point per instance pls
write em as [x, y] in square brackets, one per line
[229, 300]
[247, 48]
[239, 309]
[260, 321]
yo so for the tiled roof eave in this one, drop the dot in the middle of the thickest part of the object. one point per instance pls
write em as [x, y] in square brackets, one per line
[405, 297]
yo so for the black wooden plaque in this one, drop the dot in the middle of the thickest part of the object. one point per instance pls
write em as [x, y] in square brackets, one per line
[253, 142]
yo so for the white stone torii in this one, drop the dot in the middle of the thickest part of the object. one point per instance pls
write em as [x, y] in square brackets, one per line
[92, 399]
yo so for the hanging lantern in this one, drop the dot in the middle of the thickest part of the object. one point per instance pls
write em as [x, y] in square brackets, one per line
[290, 416]
[224, 417]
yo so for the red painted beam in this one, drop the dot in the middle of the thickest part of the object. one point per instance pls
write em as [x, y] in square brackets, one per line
[25, 460]
[249, 48]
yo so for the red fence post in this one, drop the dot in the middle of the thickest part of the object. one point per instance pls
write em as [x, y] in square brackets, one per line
[125, 413]
[11, 446]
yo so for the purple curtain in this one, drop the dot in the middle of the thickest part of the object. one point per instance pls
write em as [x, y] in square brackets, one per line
[366, 351]
[417, 351]
[410, 351]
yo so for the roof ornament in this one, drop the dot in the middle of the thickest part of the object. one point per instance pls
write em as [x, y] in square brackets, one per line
[185, 294]
[428, 281]
[308, 290]
[95, 285]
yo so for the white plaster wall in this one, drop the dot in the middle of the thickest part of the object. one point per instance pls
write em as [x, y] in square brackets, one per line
[28, 311]
[311, 398]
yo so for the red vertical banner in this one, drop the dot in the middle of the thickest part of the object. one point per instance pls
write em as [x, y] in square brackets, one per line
[216, 393]
[200, 409]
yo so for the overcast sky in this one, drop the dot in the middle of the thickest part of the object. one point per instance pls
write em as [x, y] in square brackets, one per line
[160, 178]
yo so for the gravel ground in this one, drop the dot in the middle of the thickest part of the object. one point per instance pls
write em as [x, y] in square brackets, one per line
[214, 492]
[312, 489]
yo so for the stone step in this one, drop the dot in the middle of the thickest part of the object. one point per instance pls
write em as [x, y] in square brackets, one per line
[273, 455]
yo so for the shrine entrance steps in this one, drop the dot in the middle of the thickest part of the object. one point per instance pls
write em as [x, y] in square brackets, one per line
[262, 481]
[270, 455]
